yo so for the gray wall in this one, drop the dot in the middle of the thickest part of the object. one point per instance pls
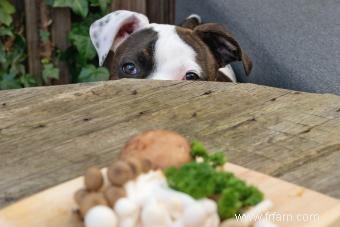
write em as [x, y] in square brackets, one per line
[294, 44]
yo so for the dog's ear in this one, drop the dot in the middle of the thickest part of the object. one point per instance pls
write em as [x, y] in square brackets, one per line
[111, 30]
[223, 45]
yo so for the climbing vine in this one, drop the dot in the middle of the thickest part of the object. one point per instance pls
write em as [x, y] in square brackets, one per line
[80, 56]
[12, 51]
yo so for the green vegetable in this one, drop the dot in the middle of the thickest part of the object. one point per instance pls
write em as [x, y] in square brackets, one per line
[195, 179]
[201, 180]
[198, 150]
[215, 159]
[229, 203]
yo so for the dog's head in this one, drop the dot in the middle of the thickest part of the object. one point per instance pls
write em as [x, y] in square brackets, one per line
[132, 48]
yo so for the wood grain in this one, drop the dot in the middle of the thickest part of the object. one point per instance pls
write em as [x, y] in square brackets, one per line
[52, 134]
[289, 204]
[32, 37]
[61, 26]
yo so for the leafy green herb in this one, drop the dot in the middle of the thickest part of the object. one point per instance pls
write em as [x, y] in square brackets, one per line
[229, 203]
[215, 159]
[201, 180]
[195, 179]
[80, 7]
[198, 150]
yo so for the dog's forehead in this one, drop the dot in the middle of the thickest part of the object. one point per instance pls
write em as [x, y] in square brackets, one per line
[173, 56]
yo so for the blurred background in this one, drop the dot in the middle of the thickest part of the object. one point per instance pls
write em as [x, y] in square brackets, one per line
[294, 44]
[46, 42]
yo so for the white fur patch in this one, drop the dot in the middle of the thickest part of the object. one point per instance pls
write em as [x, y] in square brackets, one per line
[173, 57]
[228, 72]
[104, 32]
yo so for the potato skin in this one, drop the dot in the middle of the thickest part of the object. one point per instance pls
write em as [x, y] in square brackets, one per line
[162, 147]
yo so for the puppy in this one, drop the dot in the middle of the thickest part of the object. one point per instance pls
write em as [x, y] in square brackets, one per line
[131, 47]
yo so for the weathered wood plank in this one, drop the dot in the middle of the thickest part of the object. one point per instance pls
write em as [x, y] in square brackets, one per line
[133, 5]
[51, 134]
[161, 11]
[32, 37]
[61, 25]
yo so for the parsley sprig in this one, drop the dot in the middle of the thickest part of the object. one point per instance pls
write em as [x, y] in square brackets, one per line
[203, 180]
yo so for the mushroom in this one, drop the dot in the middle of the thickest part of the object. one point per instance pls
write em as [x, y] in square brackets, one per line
[79, 195]
[154, 214]
[163, 148]
[113, 193]
[194, 215]
[119, 173]
[212, 221]
[127, 212]
[91, 200]
[100, 216]
[93, 179]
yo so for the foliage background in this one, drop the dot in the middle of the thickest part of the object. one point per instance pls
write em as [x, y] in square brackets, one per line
[80, 56]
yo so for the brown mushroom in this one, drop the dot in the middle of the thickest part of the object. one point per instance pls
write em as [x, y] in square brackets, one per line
[93, 179]
[91, 200]
[113, 193]
[136, 165]
[79, 195]
[119, 173]
[163, 148]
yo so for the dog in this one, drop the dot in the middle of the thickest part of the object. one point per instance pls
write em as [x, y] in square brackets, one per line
[130, 47]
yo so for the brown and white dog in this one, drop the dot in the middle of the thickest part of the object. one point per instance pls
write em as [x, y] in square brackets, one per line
[131, 47]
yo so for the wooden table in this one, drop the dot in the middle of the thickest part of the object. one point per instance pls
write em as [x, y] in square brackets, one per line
[49, 135]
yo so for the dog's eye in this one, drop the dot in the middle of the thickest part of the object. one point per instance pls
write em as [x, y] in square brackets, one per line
[191, 76]
[129, 68]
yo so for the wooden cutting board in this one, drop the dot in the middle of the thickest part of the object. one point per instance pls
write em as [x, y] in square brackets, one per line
[54, 207]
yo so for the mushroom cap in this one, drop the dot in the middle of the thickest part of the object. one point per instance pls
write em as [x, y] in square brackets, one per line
[154, 214]
[126, 207]
[93, 179]
[100, 216]
[163, 148]
[194, 215]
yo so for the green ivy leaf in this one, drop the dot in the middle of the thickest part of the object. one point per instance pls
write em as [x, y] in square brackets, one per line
[8, 81]
[6, 31]
[82, 42]
[27, 80]
[50, 72]
[103, 4]
[90, 73]
[44, 36]
[80, 7]
[6, 10]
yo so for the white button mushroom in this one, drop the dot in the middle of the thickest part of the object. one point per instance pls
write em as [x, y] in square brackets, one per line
[100, 216]
[213, 220]
[155, 215]
[127, 212]
[194, 215]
